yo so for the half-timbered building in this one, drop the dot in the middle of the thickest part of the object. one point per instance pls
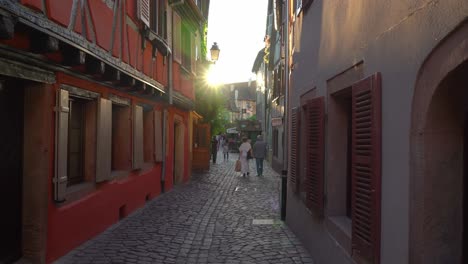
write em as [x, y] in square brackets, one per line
[96, 100]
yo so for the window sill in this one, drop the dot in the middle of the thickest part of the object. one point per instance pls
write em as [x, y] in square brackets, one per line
[339, 228]
[185, 70]
[119, 174]
[160, 42]
[78, 191]
[146, 167]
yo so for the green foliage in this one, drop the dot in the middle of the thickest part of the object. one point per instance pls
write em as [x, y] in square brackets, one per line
[210, 103]
[253, 118]
[204, 48]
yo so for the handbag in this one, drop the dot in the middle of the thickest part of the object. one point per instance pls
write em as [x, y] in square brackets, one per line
[238, 166]
[249, 154]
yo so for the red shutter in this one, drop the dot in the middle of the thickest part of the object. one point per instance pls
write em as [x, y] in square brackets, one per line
[366, 168]
[315, 155]
[294, 157]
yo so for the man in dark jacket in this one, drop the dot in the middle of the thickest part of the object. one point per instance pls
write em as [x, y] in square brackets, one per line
[214, 148]
[259, 153]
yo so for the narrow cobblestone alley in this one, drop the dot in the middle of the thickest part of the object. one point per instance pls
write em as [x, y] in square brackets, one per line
[218, 217]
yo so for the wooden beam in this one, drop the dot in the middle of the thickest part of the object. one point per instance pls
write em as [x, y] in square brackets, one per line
[127, 82]
[7, 27]
[112, 75]
[72, 56]
[42, 43]
[94, 67]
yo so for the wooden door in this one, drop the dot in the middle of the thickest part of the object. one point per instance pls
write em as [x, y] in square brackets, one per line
[11, 162]
[201, 147]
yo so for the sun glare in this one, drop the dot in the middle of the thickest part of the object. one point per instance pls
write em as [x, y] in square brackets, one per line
[213, 76]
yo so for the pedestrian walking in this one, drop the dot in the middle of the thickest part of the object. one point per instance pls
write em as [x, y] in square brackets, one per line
[244, 149]
[214, 149]
[259, 153]
[226, 150]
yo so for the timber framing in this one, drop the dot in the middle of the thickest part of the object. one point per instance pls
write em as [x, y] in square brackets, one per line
[25, 71]
[40, 23]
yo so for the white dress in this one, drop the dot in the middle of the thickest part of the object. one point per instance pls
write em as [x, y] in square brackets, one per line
[243, 149]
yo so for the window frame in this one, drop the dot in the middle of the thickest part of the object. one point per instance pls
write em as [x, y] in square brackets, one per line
[120, 166]
[62, 190]
[158, 21]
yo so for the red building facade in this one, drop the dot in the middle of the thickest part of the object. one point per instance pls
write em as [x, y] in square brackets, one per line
[97, 97]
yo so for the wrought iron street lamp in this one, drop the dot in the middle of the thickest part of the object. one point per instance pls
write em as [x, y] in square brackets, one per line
[214, 52]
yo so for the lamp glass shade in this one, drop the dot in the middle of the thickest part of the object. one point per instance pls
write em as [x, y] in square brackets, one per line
[214, 52]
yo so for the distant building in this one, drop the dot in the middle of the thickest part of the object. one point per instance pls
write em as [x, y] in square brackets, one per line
[241, 100]
[271, 85]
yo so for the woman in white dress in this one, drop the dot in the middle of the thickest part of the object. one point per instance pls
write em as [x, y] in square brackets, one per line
[244, 148]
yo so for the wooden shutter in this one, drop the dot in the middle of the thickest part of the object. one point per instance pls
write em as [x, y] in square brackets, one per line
[138, 154]
[104, 140]
[62, 112]
[294, 157]
[144, 11]
[177, 37]
[158, 143]
[366, 167]
[315, 155]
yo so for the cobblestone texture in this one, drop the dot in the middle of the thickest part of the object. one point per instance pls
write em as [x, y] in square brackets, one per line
[208, 220]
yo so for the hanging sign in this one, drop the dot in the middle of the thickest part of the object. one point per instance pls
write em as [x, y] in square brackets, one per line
[276, 121]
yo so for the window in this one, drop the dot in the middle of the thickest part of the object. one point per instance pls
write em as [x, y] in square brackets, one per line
[340, 149]
[186, 48]
[76, 136]
[121, 138]
[76, 141]
[159, 18]
[177, 37]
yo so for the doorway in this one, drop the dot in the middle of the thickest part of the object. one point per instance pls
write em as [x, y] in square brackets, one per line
[443, 144]
[11, 164]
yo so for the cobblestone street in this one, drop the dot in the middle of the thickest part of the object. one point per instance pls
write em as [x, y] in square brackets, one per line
[218, 217]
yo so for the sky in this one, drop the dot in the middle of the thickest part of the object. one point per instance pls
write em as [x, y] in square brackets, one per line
[238, 27]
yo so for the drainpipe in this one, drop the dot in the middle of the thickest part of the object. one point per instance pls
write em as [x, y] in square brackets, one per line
[164, 123]
[284, 172]
[164, 136]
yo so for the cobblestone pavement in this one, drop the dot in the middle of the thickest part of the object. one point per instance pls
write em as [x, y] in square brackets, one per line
[218, 217]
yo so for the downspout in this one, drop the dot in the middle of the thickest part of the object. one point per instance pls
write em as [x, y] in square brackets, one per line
[284, 173]
[164, 123]
[164, 135]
